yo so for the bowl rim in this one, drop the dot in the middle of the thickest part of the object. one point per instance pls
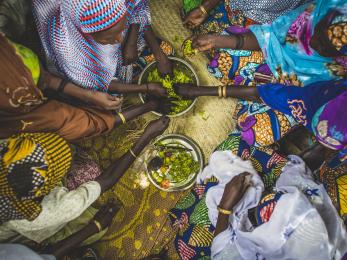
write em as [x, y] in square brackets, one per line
[196, 148]
[192, 70]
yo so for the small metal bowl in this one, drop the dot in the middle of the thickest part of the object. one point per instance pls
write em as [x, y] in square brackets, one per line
[177, 64]
[180, 141]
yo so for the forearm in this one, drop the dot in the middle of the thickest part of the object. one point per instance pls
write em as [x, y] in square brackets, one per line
[117, 169]
[50, 81]
[64, 246]
[235, 91]
[117, 87]
[153, 43]
[210, 4]
[132, 35]
[133, 112]
[222, 223]
[246, 41]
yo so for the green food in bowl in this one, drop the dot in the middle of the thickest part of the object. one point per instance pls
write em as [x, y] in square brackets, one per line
[177, 167]
[187, 48]
[167, 82]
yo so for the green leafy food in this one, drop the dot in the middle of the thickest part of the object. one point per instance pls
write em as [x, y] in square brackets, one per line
[188, 49]
[167, 82]
[177, 167]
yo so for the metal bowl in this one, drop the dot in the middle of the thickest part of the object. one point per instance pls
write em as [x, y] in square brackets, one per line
[178, 63]
[180, 141]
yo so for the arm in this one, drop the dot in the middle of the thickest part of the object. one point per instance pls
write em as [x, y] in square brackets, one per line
[100, 99]
[242, 92]
[130, 52]
[116, 171]
[104, 216]
[195, 17]
[245, 41]
[233, 193]
[63, 247]
[164, 64]
[154, 89]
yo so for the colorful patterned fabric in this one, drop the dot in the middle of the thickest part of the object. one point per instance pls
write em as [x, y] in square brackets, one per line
[62, 26]
[83, 170]
[31, 165]
[337, 33]
[302, 103]
[266, 207]
[328, 123]
[333, 175]
[259, 125]
[190, 215]
[98, 15]
[286, 45]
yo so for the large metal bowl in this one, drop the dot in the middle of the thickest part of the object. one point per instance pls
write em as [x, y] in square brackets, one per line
[181, 141]
[178, 63]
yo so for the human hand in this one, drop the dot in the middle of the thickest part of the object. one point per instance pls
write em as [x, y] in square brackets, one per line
[164, 66]
[157, 90]
[105, 215]
[105, 100]
[194, 18]
[204, 42]
[162, 105]
[234, 191]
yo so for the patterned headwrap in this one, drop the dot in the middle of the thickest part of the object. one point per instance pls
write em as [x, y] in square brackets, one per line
[31, 166]
[97, 15]
[329, 123]
[64, 27]
[337, 33]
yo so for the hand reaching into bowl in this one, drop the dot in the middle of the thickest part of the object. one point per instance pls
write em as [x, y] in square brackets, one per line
[157, 90]
[162, 105]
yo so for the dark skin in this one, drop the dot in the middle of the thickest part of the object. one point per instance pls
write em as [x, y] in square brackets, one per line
[233, 193]
[113, 35]
[104, 216]
[191, 91]
[117, 170]
[196, 17]
[319, 41]
[107, 180]
[99, 99]
[314, 157]
[130, 52]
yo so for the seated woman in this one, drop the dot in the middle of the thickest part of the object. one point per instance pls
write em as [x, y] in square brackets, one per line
[23, 107]
[103, 217]
[93, 42]
[296, 221]
[328, 156]
[32, 165]
[296, 102]
[300, 47]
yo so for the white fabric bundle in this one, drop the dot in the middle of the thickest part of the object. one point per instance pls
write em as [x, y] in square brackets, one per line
[303, 225]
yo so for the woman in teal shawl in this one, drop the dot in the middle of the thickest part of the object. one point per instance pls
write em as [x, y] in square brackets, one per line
[306, 45]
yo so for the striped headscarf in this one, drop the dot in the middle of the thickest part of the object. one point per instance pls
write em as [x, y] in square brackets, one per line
[31, 165]
[65, 25]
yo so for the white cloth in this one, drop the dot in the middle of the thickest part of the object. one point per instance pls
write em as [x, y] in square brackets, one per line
[224, 166]
[303, 225]
[59, 207]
